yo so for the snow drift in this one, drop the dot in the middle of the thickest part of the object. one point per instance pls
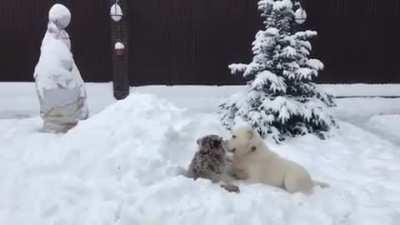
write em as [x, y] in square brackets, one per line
[121, 167]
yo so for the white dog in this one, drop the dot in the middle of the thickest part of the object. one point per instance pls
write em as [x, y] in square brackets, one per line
[255, 163]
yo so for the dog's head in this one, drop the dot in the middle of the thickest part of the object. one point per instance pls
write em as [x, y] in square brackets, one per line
[244, 141]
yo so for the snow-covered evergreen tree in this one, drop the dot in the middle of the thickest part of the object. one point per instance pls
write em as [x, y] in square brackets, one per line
[281, 99]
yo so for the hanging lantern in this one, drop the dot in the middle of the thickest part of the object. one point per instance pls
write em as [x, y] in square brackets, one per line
[116, 12]
[300, 16]
[119, 49]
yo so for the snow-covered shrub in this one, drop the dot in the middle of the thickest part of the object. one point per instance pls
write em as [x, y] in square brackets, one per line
[61, 90]
[281, 99]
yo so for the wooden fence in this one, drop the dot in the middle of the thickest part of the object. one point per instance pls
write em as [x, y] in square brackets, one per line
[193, 41]
[22, 27]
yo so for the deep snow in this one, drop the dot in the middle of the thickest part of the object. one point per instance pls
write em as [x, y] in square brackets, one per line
[121, 166]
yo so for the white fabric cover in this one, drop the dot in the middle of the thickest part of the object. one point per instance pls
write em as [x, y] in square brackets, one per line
[59, 85]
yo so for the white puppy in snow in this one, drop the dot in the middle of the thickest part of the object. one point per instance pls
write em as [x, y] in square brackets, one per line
[255, 163]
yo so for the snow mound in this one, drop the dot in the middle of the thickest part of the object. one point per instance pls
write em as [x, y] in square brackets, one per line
[60, 15]
[388, 126]
[121, 167]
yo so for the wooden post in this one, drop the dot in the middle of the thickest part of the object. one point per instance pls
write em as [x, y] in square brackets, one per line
[120, 49]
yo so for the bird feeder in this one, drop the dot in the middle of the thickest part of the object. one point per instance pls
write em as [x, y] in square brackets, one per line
[119, 49]
[116, 12]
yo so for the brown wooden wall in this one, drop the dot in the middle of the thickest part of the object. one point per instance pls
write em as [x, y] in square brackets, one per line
[359, 40]
[22, 27]
[193, 41]
[189, 42]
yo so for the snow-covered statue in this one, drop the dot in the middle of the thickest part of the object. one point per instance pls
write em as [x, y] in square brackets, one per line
[59, 85]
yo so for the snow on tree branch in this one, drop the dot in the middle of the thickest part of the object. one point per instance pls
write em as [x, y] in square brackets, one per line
[280, 99]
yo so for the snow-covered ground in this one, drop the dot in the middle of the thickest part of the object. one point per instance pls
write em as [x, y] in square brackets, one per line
[121, 166]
